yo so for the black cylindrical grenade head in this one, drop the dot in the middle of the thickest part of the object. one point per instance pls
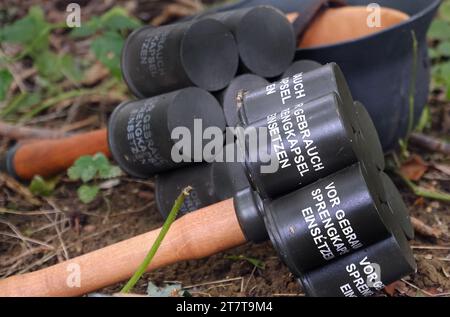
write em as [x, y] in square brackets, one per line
[228, 97]
[364, 272]
[199, 53]
[168, 186]
[299, 88]
[211, 183]
[396, 207]
[140, 132]
[368, 135]
[264, 36]
[304, 143]
[301, 66]
[229, 175]
[326, 220]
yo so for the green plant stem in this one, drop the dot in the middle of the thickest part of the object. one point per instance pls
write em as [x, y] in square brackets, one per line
[54, 100]
[165, 228]
[419, 191]
[412, 90]
[67, 95]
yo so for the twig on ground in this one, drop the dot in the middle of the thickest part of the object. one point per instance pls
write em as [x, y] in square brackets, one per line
[214, 282]
[430, 143]
[423, 229]
[55, 225]
[27, 213]
[24, 75]
[49, 225]
[25, 240]
[80, 124]
[249, 279]
[17, 132]
[41, 261]
[17, 187]
[417, 288]
[429, 247]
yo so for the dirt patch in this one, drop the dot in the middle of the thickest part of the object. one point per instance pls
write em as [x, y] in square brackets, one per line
[39, 235]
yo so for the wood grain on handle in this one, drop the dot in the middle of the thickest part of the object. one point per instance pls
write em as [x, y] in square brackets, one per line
[195, 235]
[49, 157]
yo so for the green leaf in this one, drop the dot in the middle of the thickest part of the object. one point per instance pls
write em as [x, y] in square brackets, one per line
[107, 49]
[5, 81]
[117, 19]
[27, 29]
[48, 66]
[41, 187]
[111, 172]
[84, 168]
[32, 31]
[443, 48]
[87, 193]
[70, 68]
[444, 11]
[86, 29]
[433, 53]
[105, 169]
[441, 74]
[439, 30]
[425, 119]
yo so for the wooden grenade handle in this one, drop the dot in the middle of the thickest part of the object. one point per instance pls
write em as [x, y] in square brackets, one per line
[196, 235]
[49, 157]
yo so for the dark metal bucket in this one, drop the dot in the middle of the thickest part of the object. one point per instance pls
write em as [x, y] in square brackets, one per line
[379, 67]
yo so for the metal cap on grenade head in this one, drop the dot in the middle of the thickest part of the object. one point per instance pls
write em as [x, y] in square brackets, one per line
[158, 60]
[228, 96]
[139, 132]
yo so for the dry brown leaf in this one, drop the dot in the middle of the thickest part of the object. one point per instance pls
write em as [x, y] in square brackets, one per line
[414, 168]
[94, 74]
[391, 289]
[420, 201]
